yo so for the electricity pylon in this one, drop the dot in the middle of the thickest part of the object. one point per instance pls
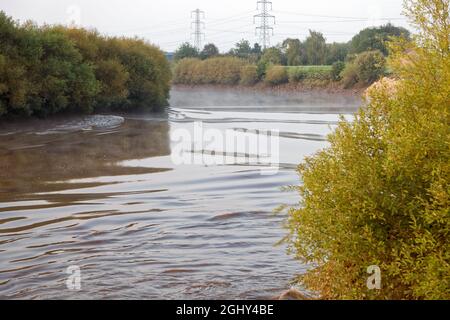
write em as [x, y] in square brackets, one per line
[198, 15]
[264, 28]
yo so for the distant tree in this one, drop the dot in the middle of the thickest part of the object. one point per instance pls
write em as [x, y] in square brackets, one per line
[256, 53]
[210, 50]
[293, 51]
[272, 56]
[337, 52]
[257, 49]
[371, 39]
[186, 50]
[316, 48]
[242, 49]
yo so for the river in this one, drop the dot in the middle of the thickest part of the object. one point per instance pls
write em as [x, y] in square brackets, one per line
[103, 193]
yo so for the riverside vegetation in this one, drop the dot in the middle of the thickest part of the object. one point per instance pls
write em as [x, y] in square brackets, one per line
[313, 62]
[53, 69]
[379, 195]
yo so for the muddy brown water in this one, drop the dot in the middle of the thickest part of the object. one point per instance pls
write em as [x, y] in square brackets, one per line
[102, 193]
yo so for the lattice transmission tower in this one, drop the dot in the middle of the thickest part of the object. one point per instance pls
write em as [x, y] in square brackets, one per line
[198, 15]
[265, 29]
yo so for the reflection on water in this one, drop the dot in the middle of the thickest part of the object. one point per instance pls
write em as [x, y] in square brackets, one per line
[101, 193]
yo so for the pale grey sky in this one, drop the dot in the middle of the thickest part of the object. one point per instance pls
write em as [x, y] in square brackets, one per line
[166, 23]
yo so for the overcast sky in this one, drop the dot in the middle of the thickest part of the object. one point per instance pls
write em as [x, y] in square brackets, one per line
[166, 23]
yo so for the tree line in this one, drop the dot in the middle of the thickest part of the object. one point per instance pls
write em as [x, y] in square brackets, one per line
[314, 50]
[360, 61]
[51, 69]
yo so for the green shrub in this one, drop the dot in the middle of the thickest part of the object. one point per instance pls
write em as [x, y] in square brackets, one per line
[249, 75]
[261, 68]
[336, 70]
[379, 194]
[113, 78]
[272, 56]
[296, 75]
[371, 66]
[350, 75]
[300, 73]
[149, 74]
[276, 75]
[365, 68]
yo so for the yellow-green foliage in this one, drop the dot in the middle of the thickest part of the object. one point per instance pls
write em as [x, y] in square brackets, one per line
[300, 73]
[184, 70]
[379, 195]
[276, 75]
[218, 70]
[51, 69]
[249, 75]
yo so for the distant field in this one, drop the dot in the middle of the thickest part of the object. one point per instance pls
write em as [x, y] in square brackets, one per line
[311, 68]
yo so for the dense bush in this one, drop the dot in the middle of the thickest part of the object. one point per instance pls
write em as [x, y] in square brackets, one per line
[276, 75]
[349, 76]
[365, 68]
[218, 70]
[50, 69]
[249, 75]
[272, 56]
[184, 71]
[379, 194]
[300, 73]
[336, 70]
[371, 66]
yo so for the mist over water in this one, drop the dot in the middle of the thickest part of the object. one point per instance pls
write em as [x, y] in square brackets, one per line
[101, 192]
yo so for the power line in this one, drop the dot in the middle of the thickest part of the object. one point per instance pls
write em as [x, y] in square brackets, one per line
[339, 21]
[265, 18]
[333, 17]
[235, 17]
[198, 24]
[315, 15]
